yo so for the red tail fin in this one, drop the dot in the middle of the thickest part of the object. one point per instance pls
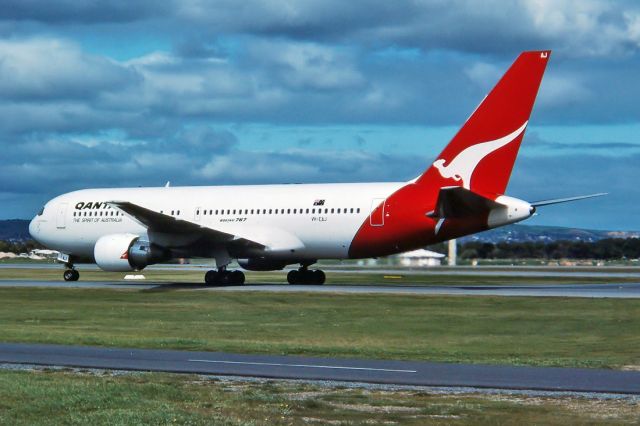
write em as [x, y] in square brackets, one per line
[481, 155]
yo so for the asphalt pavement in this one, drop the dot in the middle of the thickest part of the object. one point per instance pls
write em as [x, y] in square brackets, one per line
[610, 290]
[335, 369]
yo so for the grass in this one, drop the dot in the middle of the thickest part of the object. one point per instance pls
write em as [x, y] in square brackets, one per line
[500, 330]
[65, 397]
[341, 277]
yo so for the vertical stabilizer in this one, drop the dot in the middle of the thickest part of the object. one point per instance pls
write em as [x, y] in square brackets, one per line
[480, 157]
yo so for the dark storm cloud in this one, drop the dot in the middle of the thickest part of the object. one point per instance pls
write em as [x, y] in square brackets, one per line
[575, 27]
[82, 11]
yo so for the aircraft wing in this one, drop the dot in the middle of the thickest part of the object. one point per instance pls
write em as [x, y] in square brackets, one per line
[267, 238]
[458, 202]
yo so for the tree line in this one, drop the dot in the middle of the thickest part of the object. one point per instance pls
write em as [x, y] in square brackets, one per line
[610, 248]
[19, 246]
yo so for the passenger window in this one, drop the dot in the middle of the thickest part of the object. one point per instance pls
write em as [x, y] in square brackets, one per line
[338, 211]
[308, 211]
[270, 211]
[358, 209]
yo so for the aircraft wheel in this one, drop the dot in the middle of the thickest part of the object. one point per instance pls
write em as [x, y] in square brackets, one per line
[236, 278]
[318, 277]
[211, 277]
[71, 275]
[292, 277]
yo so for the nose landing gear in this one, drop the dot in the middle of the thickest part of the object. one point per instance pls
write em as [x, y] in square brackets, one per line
[71, 275]
[222, 277]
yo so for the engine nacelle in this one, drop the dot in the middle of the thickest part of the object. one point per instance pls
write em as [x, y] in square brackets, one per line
[126, 252]
[262, 264]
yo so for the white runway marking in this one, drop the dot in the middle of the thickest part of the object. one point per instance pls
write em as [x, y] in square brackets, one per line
[334, 367]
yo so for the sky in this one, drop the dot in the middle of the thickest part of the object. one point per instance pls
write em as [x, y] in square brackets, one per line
[119, 94]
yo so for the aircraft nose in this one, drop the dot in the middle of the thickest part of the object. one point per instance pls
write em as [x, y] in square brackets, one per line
[34, 228]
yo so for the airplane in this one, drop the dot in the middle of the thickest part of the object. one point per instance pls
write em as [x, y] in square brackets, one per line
[269, 227]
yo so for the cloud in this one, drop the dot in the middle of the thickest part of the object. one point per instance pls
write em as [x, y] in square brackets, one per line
[311, 66]
[44, 68]
[573, 27]
[578, 174]
[82, 11]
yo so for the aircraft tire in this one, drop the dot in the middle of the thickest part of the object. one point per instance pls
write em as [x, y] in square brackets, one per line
[211, 277]
[71, 275]
[318, 277]
[236, 278]
[292, 277]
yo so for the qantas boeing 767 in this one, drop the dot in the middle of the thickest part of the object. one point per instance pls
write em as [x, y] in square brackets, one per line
[267, 227]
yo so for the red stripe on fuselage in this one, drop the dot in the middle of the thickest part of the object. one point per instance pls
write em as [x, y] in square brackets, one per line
[406, 225]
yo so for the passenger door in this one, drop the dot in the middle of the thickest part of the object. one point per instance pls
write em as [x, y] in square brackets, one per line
[61, 218]
[376, 218]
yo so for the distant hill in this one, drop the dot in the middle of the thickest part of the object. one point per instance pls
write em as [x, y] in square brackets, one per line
[521, 233]
[14, 230]
[18, 230]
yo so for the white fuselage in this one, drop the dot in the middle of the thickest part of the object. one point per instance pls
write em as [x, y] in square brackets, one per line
[324, 217]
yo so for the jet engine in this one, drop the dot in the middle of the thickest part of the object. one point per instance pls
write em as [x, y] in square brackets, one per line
[127, 252]
[262, 264]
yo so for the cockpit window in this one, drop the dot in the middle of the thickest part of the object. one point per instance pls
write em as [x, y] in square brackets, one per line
[41, 211]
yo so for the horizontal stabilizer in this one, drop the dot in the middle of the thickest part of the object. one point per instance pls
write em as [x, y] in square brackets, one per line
[458, 202]
[565, 200]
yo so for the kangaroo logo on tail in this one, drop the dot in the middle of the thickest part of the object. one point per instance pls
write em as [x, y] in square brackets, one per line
[464, 164]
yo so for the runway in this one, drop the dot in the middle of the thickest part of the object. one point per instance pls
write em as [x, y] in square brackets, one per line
[334, 369]
[611, 290]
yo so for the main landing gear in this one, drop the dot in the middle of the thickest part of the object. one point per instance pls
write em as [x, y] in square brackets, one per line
[305, 276]
[222, 277]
